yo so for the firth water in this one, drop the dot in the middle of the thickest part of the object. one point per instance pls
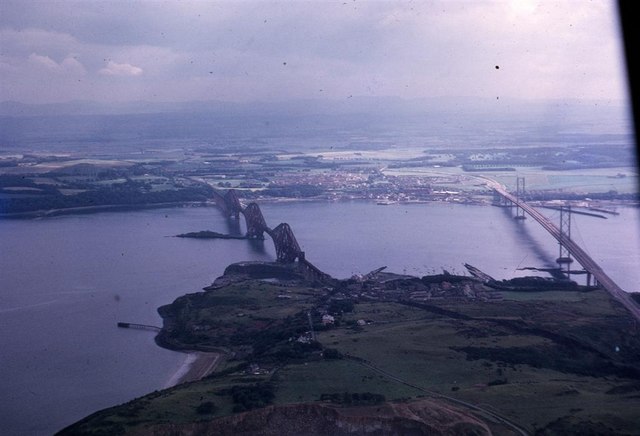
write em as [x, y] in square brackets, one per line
[65, 282]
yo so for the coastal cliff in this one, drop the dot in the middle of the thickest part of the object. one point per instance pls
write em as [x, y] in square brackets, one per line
[413, 418]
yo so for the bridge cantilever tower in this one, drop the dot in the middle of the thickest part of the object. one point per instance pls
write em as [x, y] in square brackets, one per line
[228, 203]
[520, 196]
[564, 257]
[256, 224]
[287, 248]
[233, 206]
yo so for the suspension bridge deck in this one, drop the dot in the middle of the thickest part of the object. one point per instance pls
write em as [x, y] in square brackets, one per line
[574, 249]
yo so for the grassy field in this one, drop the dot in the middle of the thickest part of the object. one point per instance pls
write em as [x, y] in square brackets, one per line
[549, 361]
[308, 381]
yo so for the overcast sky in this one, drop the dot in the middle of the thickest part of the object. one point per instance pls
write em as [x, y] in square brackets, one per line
[54, 51]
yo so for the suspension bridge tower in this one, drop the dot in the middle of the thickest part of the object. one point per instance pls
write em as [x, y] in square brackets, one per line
[520, 197]
[564, 259]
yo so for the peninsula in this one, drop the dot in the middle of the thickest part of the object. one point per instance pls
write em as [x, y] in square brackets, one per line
[439, 354]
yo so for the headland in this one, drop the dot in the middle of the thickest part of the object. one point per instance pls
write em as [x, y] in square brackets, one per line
[443, 353]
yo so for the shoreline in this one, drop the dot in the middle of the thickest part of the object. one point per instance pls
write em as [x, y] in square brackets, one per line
[85, 210]
[196, 366]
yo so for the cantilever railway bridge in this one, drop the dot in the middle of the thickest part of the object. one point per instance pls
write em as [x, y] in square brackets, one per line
[574, 249]
[287, 247]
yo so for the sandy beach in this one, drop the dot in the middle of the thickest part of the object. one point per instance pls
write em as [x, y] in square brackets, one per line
[195, 366]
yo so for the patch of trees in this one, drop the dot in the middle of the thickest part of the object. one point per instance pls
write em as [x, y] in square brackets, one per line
[272, 341]
[439, 278]
[332, 353]
[340, 306]
[354, 399]
[574, 425]
[265, 341]
[296, 351]
[206, 408]
[565, 359]
[534, 284]
[8, 180]
[130, 193]
[249, 397]
[294, 191]
[435, 309]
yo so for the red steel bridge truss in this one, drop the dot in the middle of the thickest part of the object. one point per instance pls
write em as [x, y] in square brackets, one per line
[287, 247]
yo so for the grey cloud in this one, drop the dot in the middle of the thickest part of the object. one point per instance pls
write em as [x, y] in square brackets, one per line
[116, 69]
[68, 65]
[253, 50]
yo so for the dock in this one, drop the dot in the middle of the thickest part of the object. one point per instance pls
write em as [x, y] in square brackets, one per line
[128, 325]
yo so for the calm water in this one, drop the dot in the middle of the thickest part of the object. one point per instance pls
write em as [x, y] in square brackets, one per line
[65, 282]
[350, 238]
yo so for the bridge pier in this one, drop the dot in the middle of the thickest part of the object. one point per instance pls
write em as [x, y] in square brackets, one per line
[500, 201]
[565, 261]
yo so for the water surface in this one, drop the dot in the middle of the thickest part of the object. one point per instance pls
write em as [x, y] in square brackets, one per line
[66, 281]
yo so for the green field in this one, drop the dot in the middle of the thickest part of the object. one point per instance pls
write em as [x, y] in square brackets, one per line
[550, 362]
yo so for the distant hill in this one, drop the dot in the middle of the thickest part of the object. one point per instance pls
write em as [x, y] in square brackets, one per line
[451, 122]
[351, 105]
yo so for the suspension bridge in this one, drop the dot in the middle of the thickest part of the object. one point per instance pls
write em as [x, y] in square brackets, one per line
[567, 245]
